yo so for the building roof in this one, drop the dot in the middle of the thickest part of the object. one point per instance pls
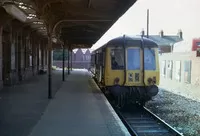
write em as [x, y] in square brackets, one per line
[84, 51]
[165, 40]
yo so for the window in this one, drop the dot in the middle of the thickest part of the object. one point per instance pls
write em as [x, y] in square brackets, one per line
[117, 59]
[149, 59]
[198, 43]
[97, 58]
[178, 70]
[187, 71]
[163, 70]
[87, 57]
[133, 59]
[169, 69]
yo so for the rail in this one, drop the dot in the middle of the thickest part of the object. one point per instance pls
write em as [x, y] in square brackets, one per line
[142, 122]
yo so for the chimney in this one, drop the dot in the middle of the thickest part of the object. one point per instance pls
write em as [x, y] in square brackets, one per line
[142, 32]
[180, 34]
[161, 33]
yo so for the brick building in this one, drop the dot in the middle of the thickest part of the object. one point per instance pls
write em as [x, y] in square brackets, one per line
[80, 59]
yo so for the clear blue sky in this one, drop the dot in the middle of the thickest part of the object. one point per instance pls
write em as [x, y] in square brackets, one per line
[168, 15]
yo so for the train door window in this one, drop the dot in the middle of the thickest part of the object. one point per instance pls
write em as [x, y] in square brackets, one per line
[96, 58]
[101, 58]
[117, 58]
[149, 59]
[133, 59]
[92, 59]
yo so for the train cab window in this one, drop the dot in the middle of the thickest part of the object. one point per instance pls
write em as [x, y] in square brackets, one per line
[117, 59]
[149, 59]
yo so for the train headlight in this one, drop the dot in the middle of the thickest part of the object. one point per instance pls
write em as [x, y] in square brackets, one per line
[116, 81]
[149, 80]
[154, 79]
[130, 77]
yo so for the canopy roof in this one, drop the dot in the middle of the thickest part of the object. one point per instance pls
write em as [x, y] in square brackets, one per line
[79, 22]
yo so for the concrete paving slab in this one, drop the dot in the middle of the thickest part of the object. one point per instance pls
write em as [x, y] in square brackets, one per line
[22, 105]
[79, 109]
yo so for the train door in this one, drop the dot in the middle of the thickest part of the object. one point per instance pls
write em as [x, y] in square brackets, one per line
[102, 56]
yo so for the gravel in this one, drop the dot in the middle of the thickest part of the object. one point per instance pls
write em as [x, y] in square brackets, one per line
[181, 113]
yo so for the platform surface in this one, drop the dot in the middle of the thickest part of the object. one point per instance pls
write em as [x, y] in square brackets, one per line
[79, 109]
[22, 105]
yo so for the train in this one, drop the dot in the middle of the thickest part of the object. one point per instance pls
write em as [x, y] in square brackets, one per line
[128, 68]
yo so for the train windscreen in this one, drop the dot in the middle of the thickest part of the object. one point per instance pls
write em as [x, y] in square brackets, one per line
[149, 59]
[133, 59]
[117, 59]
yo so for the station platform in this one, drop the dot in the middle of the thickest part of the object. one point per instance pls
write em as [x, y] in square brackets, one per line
[79, 109]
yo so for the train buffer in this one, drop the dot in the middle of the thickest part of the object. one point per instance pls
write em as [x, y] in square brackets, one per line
[79, 108]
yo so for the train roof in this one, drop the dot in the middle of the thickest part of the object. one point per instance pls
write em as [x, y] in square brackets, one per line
[130, 41]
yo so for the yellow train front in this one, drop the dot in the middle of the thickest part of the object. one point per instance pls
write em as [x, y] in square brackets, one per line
[129, 68]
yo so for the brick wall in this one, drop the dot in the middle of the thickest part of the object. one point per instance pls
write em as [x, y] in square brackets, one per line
[189, 89]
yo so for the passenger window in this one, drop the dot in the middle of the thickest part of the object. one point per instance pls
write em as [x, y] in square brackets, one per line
[117, 59]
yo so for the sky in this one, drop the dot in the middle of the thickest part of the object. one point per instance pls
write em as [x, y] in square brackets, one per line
[167, 15]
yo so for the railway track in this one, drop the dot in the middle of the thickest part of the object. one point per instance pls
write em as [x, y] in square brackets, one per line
[142, 122]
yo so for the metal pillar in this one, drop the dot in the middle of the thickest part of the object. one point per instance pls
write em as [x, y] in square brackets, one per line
[147, 23]
[38, 57]
[71, 60]
[19, 57]
[42, 55]
[63, 74]
[33, 55]
[25, 52]
[46, 54]
[49, 67]
[68, 61]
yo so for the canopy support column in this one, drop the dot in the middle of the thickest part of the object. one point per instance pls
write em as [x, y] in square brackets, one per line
[63, 74]
[49, 67]
[42, 54]
[71, 60]
[68, 60]
[19, 55]
[38, 56]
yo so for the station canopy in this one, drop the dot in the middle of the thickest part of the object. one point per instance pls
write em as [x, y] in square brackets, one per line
[79, 23]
